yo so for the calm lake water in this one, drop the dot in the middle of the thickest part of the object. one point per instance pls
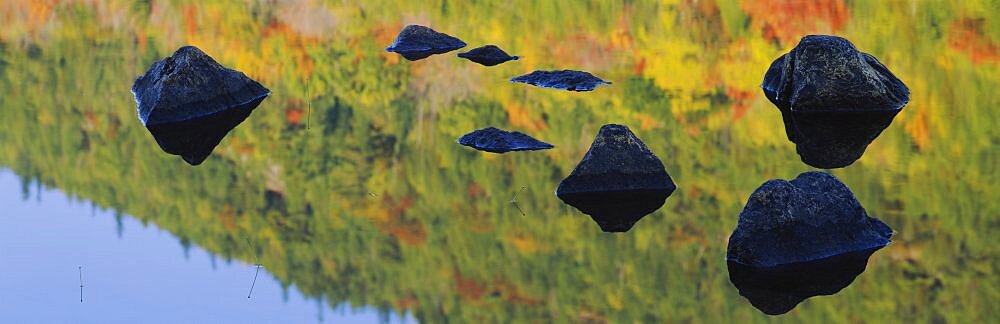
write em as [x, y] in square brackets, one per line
[348, 187]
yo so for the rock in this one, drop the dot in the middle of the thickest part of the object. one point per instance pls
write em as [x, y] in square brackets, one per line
[777, 290]
[416, 42]
[834, 99]
[189, 102]
[563, 80]
[500, 141]
[618, 181]
[488, 55]
[813, 217]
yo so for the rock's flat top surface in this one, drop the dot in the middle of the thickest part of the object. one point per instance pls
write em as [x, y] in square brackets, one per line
[488, 55]
[827, 73]
[495, 140]
[190, 85]
[563, 80]
[812, 217]
[415, 42]
[618, 181]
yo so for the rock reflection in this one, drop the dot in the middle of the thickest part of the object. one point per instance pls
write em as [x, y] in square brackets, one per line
[834, 99]
[777, 290]
[189, 102]
[618, 182]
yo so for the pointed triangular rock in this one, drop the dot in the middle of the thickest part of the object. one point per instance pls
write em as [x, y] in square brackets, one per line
[618, 181]
[189, 102]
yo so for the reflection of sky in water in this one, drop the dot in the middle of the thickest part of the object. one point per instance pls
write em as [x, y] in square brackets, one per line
[144, 276]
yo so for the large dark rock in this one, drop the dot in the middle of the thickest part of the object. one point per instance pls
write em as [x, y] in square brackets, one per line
[618, 181]
[834, 99]
[777, 290]
[812, 217]
[563, 80]
[488, 55]
[416, 42]
[189, 102]
[500, 141]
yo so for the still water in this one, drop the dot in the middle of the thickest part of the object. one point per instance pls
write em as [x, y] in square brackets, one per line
[132, 272]
[355, 198]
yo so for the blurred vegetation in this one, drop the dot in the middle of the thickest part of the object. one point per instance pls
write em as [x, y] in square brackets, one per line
[350, 184]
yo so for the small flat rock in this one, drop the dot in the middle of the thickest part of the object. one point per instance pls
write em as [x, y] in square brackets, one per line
[495, 140]
[417, 42]
[834, 99]
[777, 290]
[812, 217]
[189, 102]
[618, 181]
[563, 80]
[488, 55]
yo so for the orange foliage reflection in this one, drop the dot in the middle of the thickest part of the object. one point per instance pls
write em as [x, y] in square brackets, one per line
[787, 21]
[966, 35]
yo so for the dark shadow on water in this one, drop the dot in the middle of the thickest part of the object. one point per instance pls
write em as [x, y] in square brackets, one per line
[194, 140]
[777, 290]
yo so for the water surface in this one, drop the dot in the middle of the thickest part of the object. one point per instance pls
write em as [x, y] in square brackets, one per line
[350, 183]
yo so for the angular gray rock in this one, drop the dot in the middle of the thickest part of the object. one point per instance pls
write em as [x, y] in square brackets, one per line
[834, 100]
[488, 55]
[495, 140]
[618, 181]
[812, 217]
[562, 80]
[189, 102]
[416, 42]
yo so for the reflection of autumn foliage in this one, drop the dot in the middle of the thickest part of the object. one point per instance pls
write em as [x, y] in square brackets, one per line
[522, 118]
[788, 20]
[472, 289]
[468, 288]
[296, 45]
[386, 34]
[33, 14]
[691, 88]
[294, 112]
[408, 302]
[741, 101]
[392, 220]
[228, 217]
[966, 35]
[917, 128]
[511, 294]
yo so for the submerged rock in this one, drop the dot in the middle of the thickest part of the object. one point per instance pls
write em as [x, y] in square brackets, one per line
[488, 55]
[563, 80]
[495, 140]
[189, 102]
[416, 42]
[812, 217]
[618, 181]
[777, 290]
[834, 99]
